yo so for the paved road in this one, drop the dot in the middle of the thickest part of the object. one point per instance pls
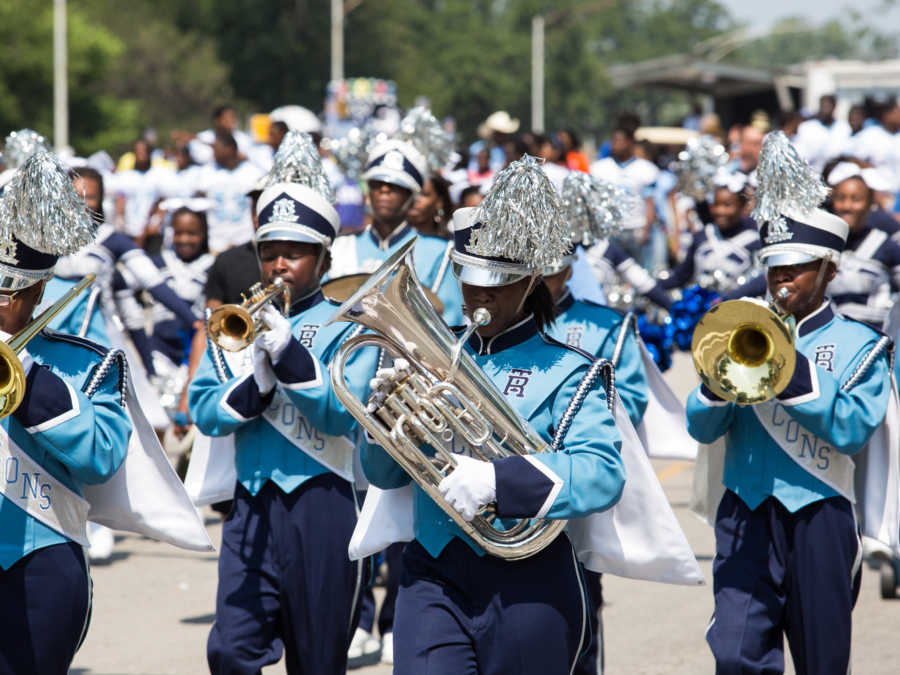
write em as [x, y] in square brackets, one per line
[153, 606]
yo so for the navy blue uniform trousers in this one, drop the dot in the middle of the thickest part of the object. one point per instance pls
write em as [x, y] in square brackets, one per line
[45, 601]
[465, 614]
[393, 556]
[780, 573]
[591, 661]
[286, 583]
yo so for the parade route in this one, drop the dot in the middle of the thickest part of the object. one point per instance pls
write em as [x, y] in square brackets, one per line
[154, 605]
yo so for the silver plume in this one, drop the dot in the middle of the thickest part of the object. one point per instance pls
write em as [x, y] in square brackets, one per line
[424, 132]
[297, 161]
[22, 144]
[522, 217]
[698, 164]
[596, 208]
[43, 210]
[786, 183]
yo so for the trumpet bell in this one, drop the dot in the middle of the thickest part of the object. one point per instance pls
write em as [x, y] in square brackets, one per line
[232, 328]
[743, 352]
[12, 380]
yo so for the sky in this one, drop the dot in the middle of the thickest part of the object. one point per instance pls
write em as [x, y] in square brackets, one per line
[764, 12]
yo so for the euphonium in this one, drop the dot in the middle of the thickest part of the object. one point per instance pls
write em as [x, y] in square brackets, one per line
[445, 400]
[744, 351]
[234, 327]
[12, 374]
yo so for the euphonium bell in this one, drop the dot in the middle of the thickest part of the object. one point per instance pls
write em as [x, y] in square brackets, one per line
[744, 352]
[234, 327]
[12, 374]
[445, 400]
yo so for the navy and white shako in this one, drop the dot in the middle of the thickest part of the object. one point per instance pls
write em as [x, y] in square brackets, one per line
[804, 238]
[398, 163]
[480, 270]
[290, 212]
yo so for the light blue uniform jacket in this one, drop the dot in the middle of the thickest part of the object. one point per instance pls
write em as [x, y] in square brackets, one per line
[236, 406]
[429, 254]
[595, 329]
[69, 320]
[77, 440]
[829, 348]
[539, 379]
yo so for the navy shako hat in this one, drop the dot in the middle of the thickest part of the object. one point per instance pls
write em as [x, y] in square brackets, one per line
[42, 217]
[290, 212]
[480, 270]
[802, 239]
[398, 163]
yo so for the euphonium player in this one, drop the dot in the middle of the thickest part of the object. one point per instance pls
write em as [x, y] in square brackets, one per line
[285, 580]
[57, 441]
[460, 610]
[597, 330]
[787, 543]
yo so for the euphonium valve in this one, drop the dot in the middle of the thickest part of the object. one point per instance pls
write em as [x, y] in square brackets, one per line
[744, 351]
[234, 327]
[438, 403]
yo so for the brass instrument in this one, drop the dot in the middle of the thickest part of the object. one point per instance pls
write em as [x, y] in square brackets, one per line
[234, 327]
[444, 400]
[339, 290]
[12, 374]
[743, 351]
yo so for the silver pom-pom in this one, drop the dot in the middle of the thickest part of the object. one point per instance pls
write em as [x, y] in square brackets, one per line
[523, 218]
[698, 164]
[22, 144]
[596, 208]
[297, 161]
[424, 132]
[43, 210]
[786, 183]
[351, 152]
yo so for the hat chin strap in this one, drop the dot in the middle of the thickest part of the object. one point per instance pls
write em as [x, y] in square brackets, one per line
[531, 285]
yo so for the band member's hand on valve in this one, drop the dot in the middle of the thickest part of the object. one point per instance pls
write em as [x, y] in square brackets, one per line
[471, 485]
[278, 337]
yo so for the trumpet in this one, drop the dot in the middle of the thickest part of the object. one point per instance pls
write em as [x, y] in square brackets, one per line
[445, 400]
[744, 352]
[234, 327]
[12, 374]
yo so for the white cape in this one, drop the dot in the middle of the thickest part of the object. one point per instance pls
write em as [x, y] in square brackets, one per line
[663, 429]
[211, 474]
[877, 480]
[639, 538]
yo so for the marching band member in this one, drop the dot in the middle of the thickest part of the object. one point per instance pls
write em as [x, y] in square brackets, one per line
[284, 543]
[724, 250]
[608, 260]
[460, 610]
[395, 174]
[69, 432]
[787, 543]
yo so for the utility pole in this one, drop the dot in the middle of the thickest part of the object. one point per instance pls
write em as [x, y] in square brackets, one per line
[537, 74]
[60, 76]
[337, 40]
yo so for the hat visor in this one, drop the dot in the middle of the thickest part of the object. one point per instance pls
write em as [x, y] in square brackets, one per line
[400, 178]
[278, 232]
[475, 276]
[787, 258]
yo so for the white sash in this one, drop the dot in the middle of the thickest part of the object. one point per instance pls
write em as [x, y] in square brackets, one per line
[26, 484]
[639, 538]
[663, 431]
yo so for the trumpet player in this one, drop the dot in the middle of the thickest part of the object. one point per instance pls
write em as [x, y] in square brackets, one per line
[286, 584]
[57, 441]
[788, 551]
[460, 610]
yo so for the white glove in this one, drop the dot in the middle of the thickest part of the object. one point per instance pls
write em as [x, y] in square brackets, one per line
[472, 484]
[26, 360]
[263, 373]
[278, 337]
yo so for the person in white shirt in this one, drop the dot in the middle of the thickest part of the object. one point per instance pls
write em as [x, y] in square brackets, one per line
[225, 120]
[226, 182]
[822, 138]
[634, 174]
[137, 191]
[879, 145]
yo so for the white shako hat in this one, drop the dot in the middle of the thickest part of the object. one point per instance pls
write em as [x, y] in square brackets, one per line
[398, 163]
[296, 204]
[517, 230]
[793, 229]
[595, 210]
[42, 217]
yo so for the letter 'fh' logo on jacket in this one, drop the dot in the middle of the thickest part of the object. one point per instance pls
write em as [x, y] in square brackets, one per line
[825, 357]
[518, 380]
[573, 336]
[308, 334]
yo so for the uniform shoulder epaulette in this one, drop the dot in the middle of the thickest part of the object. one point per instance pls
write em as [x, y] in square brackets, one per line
[556, 343]
[51, 334]
[877, 331]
